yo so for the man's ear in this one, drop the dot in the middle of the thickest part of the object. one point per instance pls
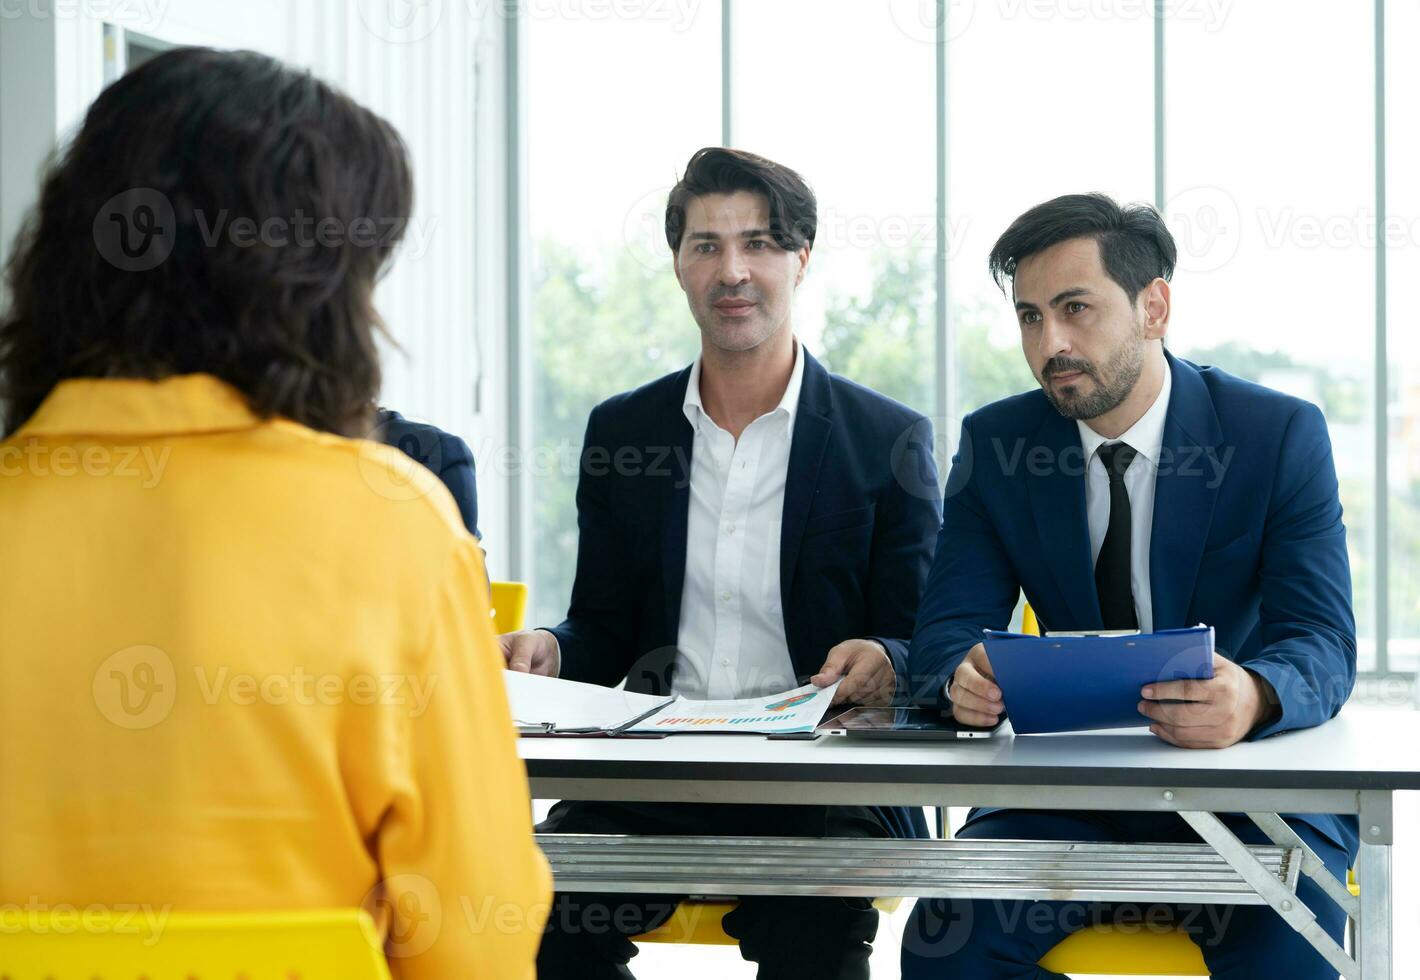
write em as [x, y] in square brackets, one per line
[1156, 301]
[803, 257]
[675, 264]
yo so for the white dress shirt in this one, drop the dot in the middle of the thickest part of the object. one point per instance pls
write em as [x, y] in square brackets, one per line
[731, 642]
[1146, 437]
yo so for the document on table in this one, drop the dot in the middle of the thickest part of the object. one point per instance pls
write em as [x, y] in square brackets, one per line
[791, 712]
[552, 706]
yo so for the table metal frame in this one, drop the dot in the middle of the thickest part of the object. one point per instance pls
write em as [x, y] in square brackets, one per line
[583, 771]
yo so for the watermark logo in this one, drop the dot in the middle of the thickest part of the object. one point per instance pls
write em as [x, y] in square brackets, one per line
[136, 687]
[411, 905]
[144, 463]
[401, 21]
[38, 918]
[300, 687]
[681, 15]
[136, 230]
[1212, 14]
[894, 231]
[1207, 227]
[914, 455]
[139, 15]
[391, 466]
[918, 19]
[304, 230]
[939, 929]
[643, 230]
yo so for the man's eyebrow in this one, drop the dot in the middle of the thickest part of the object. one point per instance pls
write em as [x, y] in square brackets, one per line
[1056, 300]
[1068, 294]
[713, 236]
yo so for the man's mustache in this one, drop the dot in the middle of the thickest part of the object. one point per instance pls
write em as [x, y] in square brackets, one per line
[1061, 365]
[735, 292]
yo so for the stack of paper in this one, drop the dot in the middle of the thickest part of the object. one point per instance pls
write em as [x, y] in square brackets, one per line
[552, 706]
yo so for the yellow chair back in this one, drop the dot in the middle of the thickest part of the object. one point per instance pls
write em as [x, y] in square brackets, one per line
[1029, 624]
[322, 944]
[510, 605]
[1128, 951]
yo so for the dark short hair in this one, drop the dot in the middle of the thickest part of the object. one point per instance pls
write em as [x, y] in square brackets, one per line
[205, 139]
[1135, 245]
[793, 209]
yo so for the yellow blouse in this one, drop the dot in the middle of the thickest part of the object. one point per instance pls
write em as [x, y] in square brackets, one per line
[247, 665]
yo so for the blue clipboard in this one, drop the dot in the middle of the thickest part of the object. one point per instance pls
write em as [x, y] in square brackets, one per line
[1078, 683]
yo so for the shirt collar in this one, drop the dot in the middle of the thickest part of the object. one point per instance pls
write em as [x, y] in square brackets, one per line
[789, 404]
[183, 403]
[1146, 436]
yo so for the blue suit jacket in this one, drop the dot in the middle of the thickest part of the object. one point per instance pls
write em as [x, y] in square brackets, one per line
[860, 512]
[445, 454]
[1247, 538]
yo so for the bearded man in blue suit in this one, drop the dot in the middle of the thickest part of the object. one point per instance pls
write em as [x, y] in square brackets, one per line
[1135, 490]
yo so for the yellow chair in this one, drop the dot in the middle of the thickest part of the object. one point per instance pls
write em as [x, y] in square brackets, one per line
[702, 923]
[326, 944]
[1029, 624]
[1104, 949]
[1133, 953]
[510, 605]
[696, 923]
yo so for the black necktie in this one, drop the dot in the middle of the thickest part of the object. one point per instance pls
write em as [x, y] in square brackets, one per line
[1112, 568]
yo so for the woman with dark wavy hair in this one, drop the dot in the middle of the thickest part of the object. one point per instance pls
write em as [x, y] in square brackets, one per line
[243, 668]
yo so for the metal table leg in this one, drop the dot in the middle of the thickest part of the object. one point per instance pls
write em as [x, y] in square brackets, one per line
[1373, 874]
[1284, 902]
[1282, 835]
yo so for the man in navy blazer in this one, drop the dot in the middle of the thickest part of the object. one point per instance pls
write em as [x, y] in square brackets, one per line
[1136, 490]
[747, 525]
[849, 510]
[443, 453]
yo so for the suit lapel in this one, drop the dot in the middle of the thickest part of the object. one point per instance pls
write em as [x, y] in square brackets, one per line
[1057, 498]
[674, 494]
[812, 427]
[1184, 495]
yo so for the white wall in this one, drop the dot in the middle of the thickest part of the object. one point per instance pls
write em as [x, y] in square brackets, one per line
[436, 78]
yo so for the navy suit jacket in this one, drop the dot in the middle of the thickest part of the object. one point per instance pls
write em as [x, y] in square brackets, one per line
[860, 512]
[445, 454]
[1247, 538]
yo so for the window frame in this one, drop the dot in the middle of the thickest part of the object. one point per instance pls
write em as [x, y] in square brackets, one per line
[516, 245]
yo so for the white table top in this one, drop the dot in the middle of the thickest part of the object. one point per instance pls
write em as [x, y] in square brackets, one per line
[1360, 749]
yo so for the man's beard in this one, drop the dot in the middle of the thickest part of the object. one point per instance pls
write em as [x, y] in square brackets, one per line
[1112, 386]
[731, 335]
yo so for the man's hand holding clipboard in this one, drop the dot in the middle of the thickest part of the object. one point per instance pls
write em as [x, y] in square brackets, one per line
[976, 700]
[1209, 714]
[1174, 679]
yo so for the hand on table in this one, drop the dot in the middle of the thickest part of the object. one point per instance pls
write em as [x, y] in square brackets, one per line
[866, 670]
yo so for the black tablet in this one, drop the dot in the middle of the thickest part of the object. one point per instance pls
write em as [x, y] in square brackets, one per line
[921, 724]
